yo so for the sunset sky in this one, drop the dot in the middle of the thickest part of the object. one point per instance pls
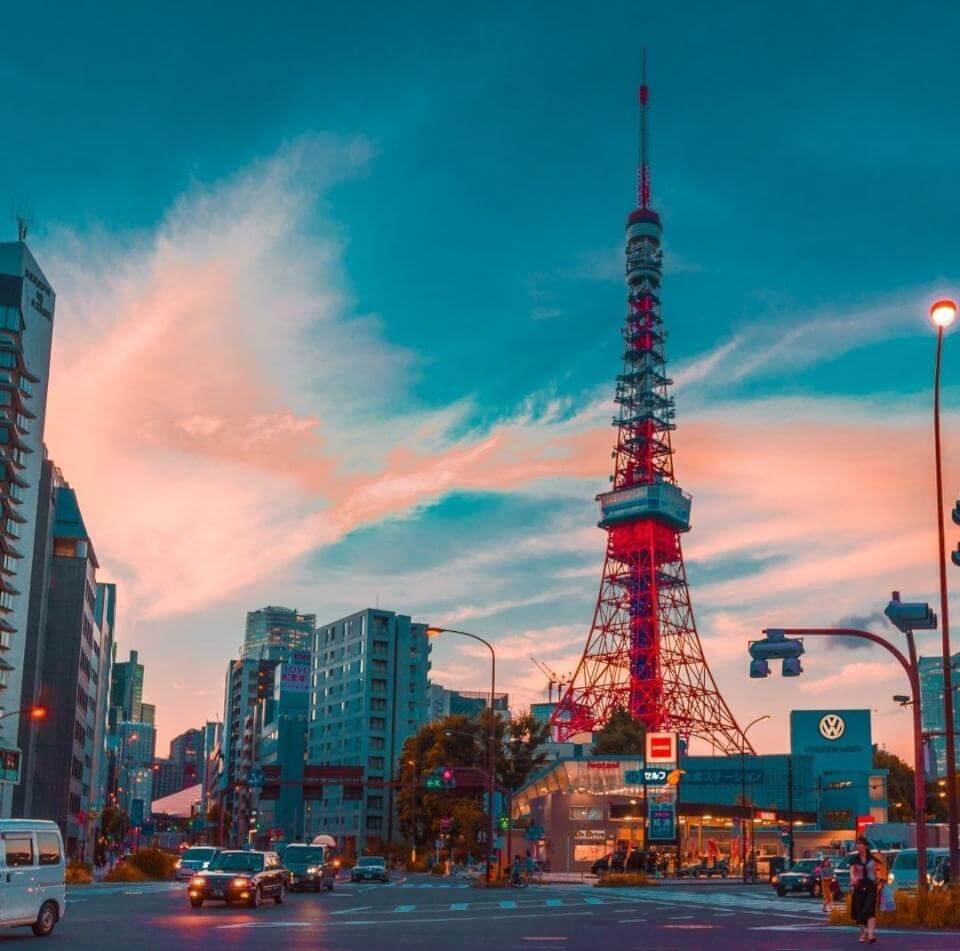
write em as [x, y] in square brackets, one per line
[339, 293]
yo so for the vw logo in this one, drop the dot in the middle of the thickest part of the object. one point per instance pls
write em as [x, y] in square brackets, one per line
[832, 726]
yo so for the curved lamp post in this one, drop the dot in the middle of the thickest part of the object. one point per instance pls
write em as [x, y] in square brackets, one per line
[743, 792]
[943, 313]
[433, 631]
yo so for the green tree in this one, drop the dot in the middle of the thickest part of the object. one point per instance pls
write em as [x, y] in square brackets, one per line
[899, 784]
[463, 741]
[621, 735]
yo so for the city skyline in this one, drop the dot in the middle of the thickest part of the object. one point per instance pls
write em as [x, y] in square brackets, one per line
[264, 397]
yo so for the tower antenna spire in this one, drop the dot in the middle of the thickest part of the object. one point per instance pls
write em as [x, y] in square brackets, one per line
[643, 169]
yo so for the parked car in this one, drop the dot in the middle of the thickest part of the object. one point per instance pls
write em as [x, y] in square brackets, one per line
[237, 875]
[193, 860]
[370, 868]
[309, 867]
[702, 870]
[601, 865]
[32, 886]
[903, 873]
[802, 876]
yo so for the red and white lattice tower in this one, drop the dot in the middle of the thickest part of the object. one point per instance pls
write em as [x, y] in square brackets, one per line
[643, 653]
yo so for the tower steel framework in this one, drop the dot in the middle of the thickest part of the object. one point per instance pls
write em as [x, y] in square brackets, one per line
[643, 653]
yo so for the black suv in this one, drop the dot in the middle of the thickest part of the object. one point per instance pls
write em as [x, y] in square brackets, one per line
[309, 867]
[240, 876]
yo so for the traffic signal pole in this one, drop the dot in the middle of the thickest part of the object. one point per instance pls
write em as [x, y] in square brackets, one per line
[910, 667]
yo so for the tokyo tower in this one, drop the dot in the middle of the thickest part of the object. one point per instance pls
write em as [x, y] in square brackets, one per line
[643, 653]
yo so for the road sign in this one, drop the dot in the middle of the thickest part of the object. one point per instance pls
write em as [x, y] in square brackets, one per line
[255, 778]
[662, 821]
[661, 749]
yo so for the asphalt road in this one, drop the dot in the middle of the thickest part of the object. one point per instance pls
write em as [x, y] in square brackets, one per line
[424, 912]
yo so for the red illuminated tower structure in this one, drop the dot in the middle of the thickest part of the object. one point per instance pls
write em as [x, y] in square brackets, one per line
[643, 653]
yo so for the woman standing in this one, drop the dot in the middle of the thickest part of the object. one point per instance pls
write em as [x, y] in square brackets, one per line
[864, 867]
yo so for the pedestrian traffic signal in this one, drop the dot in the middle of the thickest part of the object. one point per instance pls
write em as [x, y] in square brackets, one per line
[503, 823]
[449, 780]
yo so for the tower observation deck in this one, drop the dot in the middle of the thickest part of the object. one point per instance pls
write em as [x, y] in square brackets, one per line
[643, 653]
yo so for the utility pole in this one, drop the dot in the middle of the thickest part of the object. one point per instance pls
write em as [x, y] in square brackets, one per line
[790, 804]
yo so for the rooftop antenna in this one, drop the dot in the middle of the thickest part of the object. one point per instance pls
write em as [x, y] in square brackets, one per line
[643, 169]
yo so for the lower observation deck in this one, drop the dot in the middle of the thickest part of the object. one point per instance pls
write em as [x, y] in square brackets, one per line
[660, 500]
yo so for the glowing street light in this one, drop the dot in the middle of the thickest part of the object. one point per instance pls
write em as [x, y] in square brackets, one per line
[943, 312]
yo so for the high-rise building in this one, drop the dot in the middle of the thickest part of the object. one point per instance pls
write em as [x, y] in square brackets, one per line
[126, 689]
[931, 706]
[443, 702]
[27, 303]
[74, 656]
[368, 694]
[186, 751]
[279, 627]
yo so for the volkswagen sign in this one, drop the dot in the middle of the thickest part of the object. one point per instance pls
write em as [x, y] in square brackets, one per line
[832, 726]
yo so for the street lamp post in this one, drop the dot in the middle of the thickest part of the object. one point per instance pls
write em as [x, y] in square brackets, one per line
[943, 313]
[433, 632]
[743, 793]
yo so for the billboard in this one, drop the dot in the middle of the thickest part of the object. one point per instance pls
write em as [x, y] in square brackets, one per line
[838, 739]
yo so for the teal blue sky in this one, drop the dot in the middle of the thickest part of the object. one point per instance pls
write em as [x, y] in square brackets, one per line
[805, 166]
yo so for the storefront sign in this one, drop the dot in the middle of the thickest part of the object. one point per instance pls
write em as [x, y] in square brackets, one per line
[662, 821]
[722, 777]
[590, 835]
[655, 777]
[601, 764]
[661, 748]
[766, 815]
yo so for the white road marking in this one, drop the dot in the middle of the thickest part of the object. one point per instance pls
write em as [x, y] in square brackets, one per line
[554, 902]
[459, 906]
[403, 909]
[347, 911]
[508, 904]
[631, 921]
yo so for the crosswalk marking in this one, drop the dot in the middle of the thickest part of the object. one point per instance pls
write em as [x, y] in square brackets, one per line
[403, 909]
[508, 904]
[459, 906]
[593, 901]
[554, 902]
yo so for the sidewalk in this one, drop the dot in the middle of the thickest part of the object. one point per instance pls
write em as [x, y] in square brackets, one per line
[585, 878]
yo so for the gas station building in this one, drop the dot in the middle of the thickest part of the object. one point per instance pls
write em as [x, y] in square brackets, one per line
[586, 806]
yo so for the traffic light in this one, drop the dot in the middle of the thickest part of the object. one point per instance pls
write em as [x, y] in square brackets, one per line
[503, 823]
[443, 778]
[776, 646]
[910, 615]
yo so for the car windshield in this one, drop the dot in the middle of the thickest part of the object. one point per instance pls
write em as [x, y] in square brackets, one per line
[303, 853]
[805, 865]
[371, 860]
[237, 862]
[198, 855]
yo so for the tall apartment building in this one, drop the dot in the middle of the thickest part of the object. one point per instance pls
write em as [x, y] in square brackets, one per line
[27, 304]
[279, 627]
[368, 694]
[931, 705]
[133, 748]
[186, 752]
[74, 676]
[126, 689]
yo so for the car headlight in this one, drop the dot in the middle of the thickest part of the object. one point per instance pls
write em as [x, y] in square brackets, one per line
[312, 870]
[774, 879]
[890, 878]
[178, 864]
[240, 882]
[197, 881]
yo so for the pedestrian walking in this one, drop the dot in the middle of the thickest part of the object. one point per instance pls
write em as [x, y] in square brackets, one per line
[864, 867]
[826, 882]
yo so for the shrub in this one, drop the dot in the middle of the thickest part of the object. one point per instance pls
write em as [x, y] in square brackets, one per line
[625, 880]
[125, 872]
[79, 873]
[154, 863]
[939, 908]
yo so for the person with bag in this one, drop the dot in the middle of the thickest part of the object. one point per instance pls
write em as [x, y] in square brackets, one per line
[826, 882]
[864, 868]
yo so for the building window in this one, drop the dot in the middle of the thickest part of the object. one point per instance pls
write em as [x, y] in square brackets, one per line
[378, 723]
[378, 685]
[375, 762]
[379, 666]
[374, 802]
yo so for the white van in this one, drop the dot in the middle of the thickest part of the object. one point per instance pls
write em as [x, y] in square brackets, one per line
[32, 872]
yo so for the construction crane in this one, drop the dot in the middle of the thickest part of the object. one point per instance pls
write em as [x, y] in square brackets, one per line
[553, 679]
